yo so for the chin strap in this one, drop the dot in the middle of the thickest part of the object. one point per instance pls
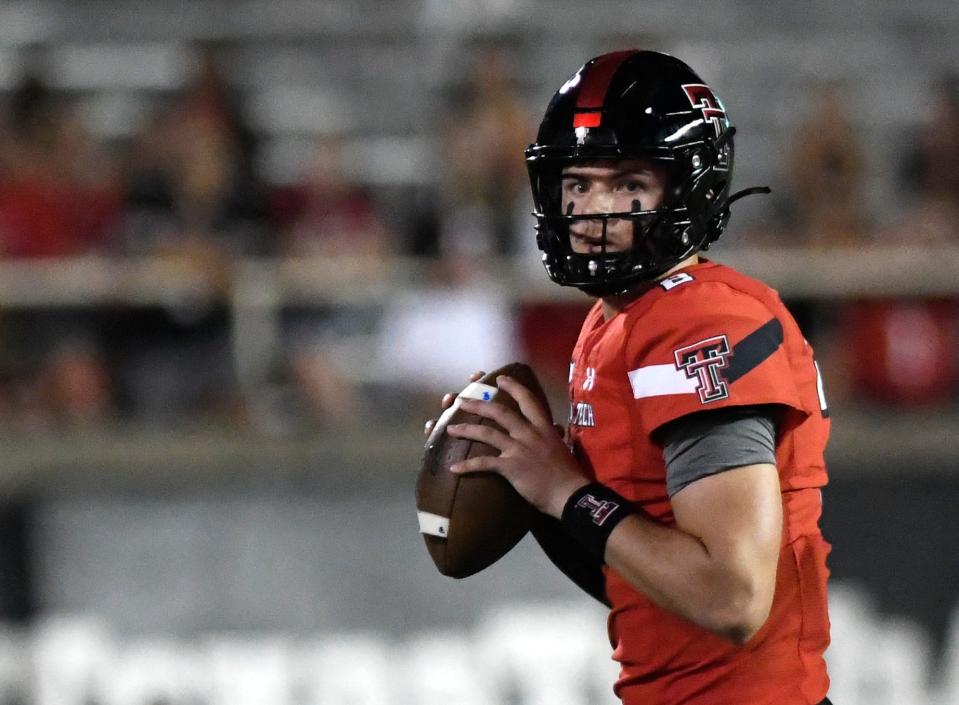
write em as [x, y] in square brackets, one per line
[745, 192]
[724, 211]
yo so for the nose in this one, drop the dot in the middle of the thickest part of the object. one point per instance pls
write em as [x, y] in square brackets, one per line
[598, 201]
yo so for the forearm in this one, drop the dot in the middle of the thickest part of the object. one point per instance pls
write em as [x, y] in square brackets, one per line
[584, 569]
[677, 571]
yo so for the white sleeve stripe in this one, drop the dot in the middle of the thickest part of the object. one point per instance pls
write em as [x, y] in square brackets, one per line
[660, 380]
[819, 389]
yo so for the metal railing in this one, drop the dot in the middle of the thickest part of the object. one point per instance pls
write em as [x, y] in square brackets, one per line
[256, 292]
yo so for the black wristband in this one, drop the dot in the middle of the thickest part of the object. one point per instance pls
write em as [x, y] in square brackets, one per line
[590, 515]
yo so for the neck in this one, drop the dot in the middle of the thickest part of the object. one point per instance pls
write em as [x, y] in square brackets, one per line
[617, 302]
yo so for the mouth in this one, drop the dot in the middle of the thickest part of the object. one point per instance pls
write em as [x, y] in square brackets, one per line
[588, 245]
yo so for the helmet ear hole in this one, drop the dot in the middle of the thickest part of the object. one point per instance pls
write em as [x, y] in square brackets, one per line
[677, 186]
[675, 195]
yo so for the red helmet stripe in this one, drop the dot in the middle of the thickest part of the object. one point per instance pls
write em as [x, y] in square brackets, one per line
[592, 119]
[592, 94]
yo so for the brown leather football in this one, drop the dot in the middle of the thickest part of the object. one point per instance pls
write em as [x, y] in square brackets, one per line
[471, 521]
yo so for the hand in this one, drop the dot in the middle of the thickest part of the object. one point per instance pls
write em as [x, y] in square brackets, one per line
[446, 402]
[532, 456]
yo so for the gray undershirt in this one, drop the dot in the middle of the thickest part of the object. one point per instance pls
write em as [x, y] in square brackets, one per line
[710, 442]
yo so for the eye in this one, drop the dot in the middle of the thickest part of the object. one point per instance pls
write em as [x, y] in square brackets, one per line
[577, 187]
[633, 186]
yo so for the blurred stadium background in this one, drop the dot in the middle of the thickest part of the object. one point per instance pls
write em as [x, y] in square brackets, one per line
[246, 245]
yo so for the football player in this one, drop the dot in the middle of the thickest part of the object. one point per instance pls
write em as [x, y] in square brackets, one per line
[686, 495]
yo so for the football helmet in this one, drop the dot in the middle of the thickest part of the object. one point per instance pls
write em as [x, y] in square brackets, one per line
[634, 105]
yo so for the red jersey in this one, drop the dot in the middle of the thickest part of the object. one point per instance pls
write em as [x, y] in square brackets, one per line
[706, 338]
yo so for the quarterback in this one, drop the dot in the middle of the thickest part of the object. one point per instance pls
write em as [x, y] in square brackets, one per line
[686, 493]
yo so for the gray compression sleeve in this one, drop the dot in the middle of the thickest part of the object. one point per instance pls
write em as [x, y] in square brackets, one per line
[707, 443]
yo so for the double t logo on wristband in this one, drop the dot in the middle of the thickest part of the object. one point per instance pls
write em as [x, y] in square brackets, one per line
[599, 509]
[590, 515]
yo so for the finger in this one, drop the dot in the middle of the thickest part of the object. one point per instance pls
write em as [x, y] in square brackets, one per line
[484, 434]
[514, 424]
[428, 427]
[447, 401]
[531, 407]
[476, 376]
[483, 463]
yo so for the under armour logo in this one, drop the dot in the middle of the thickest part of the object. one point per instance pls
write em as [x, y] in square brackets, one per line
[704, 360]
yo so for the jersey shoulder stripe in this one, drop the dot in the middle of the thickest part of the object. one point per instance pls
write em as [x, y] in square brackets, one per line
[754, 349]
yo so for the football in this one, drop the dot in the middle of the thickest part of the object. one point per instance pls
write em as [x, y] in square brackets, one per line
[471, 521]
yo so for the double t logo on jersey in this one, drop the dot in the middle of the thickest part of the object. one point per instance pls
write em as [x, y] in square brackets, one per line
[704, 360]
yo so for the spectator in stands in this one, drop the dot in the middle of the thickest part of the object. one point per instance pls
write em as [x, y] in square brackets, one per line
[930, 175]
[827, 172]
[334, 221]
[59, 197]
[461, 319]
[823, 207]
[328, 214]
[191, 180]
[482, 179]
[457, 321]
[192, 200]
[58, 188]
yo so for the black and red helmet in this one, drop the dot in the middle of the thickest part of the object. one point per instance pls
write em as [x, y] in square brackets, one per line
[634, 105]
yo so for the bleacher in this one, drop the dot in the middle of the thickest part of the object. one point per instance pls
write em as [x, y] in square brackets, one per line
[378, 71]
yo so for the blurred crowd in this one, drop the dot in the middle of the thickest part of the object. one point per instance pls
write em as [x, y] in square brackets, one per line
[188, 189]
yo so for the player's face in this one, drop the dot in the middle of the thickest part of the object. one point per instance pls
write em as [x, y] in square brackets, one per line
[609, 187]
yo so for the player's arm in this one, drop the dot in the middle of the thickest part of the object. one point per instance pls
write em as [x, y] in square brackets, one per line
[585, 570]
[717, 566]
